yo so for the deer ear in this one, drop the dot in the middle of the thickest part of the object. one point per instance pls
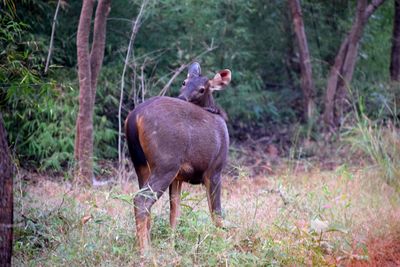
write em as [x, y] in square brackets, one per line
[220, 80]
[194, 70]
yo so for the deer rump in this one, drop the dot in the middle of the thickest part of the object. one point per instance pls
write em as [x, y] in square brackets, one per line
[170, 135]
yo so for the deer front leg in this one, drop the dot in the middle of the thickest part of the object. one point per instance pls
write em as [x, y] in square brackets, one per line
[174, 201]
[213, 188]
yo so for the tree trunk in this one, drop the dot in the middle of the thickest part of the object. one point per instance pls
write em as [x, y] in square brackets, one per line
[89, 64]
[6, 199]
[342, 70]
[291, 63]
[395, 55]
[307, 83]
[99, 43]
[348, 63]
[333, 79]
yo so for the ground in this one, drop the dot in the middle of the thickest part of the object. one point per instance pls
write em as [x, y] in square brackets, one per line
[299, 213]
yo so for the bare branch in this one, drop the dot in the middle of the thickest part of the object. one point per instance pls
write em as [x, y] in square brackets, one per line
[53, 29]
[178, 71]
[168, 84]
[142, 83]
[135, 29]
[372, 7]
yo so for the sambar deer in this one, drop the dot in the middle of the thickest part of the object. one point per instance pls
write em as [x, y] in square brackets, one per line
[173, 141]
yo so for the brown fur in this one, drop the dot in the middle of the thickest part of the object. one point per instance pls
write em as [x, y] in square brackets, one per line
[179, 142]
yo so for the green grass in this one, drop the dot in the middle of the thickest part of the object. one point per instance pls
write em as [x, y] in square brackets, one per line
[381, 143]
[292, 219]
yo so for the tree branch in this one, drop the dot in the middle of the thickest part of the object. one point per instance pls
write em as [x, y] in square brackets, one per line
[183, 66]
[53, 29]
[99, 42]
[135, 29]
[176, 73]
[372, 7]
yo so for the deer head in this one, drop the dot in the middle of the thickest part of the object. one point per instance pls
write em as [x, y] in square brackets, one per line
[198, 89]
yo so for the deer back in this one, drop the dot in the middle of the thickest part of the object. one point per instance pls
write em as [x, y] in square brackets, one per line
[174, 132]
[163, 132]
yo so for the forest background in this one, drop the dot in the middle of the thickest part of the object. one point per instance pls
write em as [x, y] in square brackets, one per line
[256, 40]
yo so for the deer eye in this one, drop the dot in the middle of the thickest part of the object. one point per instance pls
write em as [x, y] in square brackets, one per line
[183, 83]
[201, 90]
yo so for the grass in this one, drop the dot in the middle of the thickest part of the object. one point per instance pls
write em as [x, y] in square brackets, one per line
[320, 218]
[381, 143]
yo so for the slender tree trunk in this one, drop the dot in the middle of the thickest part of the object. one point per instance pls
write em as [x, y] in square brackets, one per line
[307, 83]
[89, 64]
[332, 85]
[84, 124]
[395, 55]
[349, 62]
[6, 199]
[342, 70]
[292, 65]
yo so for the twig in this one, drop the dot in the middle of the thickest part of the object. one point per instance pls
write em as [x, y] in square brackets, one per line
[142, 84]
[53, 29]
[168, 84]
[133, 91]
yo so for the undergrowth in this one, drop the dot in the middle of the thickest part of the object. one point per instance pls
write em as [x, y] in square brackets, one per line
[293, 219]
[379, 140]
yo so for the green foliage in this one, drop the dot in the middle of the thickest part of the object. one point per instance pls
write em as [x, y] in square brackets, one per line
[40, 229]
[374, 57]
[43, 133]
[36, 134]
[252, 38]
[40, 114]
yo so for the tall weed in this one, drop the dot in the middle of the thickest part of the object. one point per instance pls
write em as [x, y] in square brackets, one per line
[379, 140]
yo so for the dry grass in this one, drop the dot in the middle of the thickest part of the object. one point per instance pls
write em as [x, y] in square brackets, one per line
[344, 216]
[383, 246]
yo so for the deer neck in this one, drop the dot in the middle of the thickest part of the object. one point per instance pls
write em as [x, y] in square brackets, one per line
[208, 102]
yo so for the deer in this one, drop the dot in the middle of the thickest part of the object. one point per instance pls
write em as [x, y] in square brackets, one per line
[176, 140]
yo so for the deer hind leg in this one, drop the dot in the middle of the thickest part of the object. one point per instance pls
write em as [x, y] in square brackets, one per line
[213, 188]
[143, 174]
[174, 200]
[144, 200]
[142, 221]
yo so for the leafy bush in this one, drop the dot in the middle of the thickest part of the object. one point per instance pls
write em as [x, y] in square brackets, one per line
[44, 133]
